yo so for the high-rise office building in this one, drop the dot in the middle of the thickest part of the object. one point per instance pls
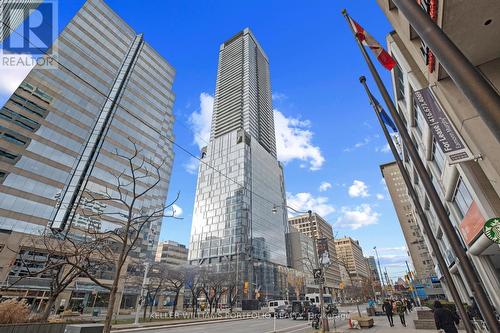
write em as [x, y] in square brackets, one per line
[60, 129]
[373, 271]
[469, 190]
[317, 227]
[240, 180]
[301, 257]
[417, 247]
[350, 254]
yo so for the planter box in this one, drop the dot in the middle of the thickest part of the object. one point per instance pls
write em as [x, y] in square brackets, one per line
[425, 314]
[33, 328]
[364, 322]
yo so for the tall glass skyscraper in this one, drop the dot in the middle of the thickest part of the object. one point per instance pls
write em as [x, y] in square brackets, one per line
[240, 180]
[61, 127]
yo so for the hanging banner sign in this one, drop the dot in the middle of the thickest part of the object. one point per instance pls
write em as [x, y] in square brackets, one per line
[323, 254]
[442, 129]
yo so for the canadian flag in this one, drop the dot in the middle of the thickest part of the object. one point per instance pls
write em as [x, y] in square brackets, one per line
[364, 37]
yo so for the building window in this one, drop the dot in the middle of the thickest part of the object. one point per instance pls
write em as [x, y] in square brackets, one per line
[417, 118]
[462, 198]
[400, 82]
[438, 156]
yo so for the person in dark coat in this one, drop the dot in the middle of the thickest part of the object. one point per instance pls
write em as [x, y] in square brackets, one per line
[445, 319]
[387, 308]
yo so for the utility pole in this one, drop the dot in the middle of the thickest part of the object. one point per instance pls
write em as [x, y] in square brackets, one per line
[380, 271]
[412, 283]
[324, 321]
[140, 299]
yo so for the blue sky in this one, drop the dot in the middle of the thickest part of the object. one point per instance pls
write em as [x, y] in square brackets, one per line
[324, 122]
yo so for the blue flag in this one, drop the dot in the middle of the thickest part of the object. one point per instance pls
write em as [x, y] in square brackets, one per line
[385, 117]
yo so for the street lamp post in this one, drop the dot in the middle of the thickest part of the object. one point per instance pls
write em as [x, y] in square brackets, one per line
[324, 319]
[140, 300]
[380, 272]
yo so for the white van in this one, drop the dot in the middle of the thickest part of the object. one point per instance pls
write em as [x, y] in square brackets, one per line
[272, 305]
[314, 298]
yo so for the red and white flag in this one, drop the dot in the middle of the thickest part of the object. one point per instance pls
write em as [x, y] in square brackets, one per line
[364, 37]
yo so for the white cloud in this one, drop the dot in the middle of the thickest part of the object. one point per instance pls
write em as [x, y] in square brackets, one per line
[305, 201]
[324, 186]
[357, 217]
[201, 120]
[277, 96]
[293, 141]
[192, 166]
[380, 196]
[393, 256]
[357, 145]
[175, 210]
[12, 76]
[358, 189]
[383, 149]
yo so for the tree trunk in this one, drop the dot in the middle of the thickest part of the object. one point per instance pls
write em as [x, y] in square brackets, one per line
[151, 307]
[175, 301]
[111, 304]
[48, 307]
[145, 307]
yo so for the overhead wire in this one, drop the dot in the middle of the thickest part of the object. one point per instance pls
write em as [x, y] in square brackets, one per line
[185, 150]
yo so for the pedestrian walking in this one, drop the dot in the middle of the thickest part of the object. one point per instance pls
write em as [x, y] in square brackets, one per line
[408, 305]
[445, 319]
[400, 310]
[387, 308]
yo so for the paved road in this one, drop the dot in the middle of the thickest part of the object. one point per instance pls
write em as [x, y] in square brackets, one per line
[261, 325]
[258, 325]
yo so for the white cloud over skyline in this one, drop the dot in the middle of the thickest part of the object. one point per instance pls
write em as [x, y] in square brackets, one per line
[358, 189]
[305, 201]
[324, 186]
[200, 121]
[294, 141]
[357, 217]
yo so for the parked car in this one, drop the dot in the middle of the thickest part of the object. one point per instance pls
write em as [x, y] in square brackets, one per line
[300, 309]
[283, 311]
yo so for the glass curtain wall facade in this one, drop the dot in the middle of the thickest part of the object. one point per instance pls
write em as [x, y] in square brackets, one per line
[240, 179]
[109, 81]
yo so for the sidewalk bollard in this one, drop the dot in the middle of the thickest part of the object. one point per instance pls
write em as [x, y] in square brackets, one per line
[274, 323]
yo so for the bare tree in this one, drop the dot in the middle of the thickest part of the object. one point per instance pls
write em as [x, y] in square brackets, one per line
[296, 281]
[127, 216]
[355, 289]
[214, 286]
[157, 283]
[232, 289]
[59, 260]
[175, 280]
[194, 283]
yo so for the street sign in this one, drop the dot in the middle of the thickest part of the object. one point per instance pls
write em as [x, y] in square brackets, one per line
[447, 138]
[492, 229]
[317, 273]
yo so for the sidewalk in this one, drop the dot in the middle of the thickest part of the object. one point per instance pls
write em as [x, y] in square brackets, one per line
[381, 325]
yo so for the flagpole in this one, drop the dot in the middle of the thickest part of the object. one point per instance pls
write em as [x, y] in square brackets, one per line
[423, 218]
[473, 85]
[470, 275]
